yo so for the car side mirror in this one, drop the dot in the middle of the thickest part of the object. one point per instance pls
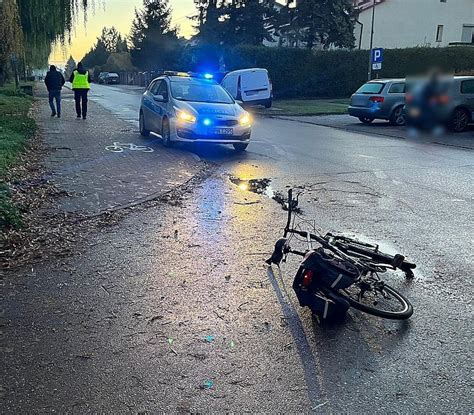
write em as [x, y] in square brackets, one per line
[159, 98]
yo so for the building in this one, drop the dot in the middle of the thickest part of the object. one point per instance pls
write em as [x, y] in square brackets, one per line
[411, 23]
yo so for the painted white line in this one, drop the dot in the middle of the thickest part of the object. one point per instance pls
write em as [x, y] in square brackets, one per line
[380, 174]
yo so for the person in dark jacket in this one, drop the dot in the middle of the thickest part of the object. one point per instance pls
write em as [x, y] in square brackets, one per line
[54, 81]
[80, 80]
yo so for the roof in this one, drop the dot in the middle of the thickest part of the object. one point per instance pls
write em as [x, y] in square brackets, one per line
[249, 70]
[362, 5]
[385, 80]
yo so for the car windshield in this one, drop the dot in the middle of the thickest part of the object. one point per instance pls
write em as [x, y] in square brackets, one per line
[371, 88]
[199, 91]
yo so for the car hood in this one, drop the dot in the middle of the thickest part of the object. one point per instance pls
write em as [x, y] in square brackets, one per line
[205, 108]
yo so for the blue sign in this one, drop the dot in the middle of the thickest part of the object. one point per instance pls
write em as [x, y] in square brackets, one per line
[377, 55]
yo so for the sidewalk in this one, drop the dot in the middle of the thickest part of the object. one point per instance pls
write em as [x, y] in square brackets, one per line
[86, 165]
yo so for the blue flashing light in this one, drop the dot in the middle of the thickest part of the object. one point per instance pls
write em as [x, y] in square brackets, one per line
[208, 75]
[207, 121]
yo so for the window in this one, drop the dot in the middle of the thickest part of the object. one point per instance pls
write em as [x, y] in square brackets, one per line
[200, 91]
[163, 90]
[151, 86]
[398, 88]
[467, 87]
[443, 1]
[154, 88]
[467, 33]
[371, 88]
[439, 33]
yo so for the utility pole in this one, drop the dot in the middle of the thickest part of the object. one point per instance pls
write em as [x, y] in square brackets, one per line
[371, 41]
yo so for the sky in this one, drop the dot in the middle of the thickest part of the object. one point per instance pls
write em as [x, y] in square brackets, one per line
[118, 13]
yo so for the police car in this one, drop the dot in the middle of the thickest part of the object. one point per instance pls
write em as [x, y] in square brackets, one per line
[193, 108]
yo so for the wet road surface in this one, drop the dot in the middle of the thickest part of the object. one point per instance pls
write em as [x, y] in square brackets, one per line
[173, 310]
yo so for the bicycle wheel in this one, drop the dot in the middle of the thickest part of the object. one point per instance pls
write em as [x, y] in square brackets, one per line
[381, 301]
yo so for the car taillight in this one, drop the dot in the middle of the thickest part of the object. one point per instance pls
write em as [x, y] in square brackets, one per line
[377, 99]
[307, 277]
[408, 98]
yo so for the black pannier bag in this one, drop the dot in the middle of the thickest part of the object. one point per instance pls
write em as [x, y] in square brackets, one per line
[328, 306]
[321, 274]
[330, 271]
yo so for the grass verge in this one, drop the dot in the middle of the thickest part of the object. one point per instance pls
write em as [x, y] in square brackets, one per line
[15, 130]
[307, 107]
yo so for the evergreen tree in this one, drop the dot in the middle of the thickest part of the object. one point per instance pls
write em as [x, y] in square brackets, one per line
[248, 21]
[113, 40]
[153, 41]
[210, 25]
[110, 41]
[326, 22]
[69, 68]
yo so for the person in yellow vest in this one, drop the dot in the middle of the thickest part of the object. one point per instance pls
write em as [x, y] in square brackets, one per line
[80, 81]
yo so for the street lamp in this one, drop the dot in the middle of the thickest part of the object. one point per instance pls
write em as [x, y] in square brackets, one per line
[371, 41]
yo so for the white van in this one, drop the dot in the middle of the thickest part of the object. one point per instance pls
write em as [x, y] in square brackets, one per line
[251, 86]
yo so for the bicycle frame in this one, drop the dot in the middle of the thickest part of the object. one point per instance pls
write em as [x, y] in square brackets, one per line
[310, 236]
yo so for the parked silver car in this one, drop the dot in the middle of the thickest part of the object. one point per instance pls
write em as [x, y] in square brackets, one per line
[379, 99]
[187, 108]
[447, 101]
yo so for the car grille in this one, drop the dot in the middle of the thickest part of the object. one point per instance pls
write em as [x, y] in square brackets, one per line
[225, 123]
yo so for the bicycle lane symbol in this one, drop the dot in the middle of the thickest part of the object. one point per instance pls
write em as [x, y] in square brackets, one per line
[118, 147]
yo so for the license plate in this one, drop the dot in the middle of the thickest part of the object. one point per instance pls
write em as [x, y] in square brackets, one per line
[223, 131]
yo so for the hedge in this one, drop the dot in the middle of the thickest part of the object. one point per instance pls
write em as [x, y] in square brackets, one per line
[333, 73]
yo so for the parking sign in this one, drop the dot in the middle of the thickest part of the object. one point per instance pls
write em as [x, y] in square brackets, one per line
[377, 55]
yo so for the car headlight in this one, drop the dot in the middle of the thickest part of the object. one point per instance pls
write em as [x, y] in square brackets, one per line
[245, 120]
[185, 116]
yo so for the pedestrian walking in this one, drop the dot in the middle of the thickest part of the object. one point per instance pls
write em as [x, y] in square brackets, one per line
[80, 81]
[54, 81]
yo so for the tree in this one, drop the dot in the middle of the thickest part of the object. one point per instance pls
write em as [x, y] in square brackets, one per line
[69, 68]
[113, 40]
[44, 22]
[210, 25]
[248, 21]
[97, 55]
[234, 22]
[326, 22]
[153, 41]
[110, 41]
[10, 35]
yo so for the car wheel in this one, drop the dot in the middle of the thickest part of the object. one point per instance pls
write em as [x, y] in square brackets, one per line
[268, 104]
[460, 120]
[166, 133]
[240, 147]
[141, 122]
[366, 120]
[398, 117]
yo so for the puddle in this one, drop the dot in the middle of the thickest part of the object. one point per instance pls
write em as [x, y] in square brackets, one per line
[259, 186]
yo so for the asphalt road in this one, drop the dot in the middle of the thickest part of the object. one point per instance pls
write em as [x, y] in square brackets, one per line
[173, 310]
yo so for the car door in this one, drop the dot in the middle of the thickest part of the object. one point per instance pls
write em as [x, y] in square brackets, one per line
[161, 105]
[467, 95]
[148, 104]
[230, 84]
[395, 97]
[255, 85]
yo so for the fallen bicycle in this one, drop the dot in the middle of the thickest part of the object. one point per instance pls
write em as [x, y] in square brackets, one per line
[341, 273]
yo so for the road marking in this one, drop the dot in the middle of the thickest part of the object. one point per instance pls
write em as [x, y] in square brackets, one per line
[117, 147]
[366, 156]
[380, 174]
